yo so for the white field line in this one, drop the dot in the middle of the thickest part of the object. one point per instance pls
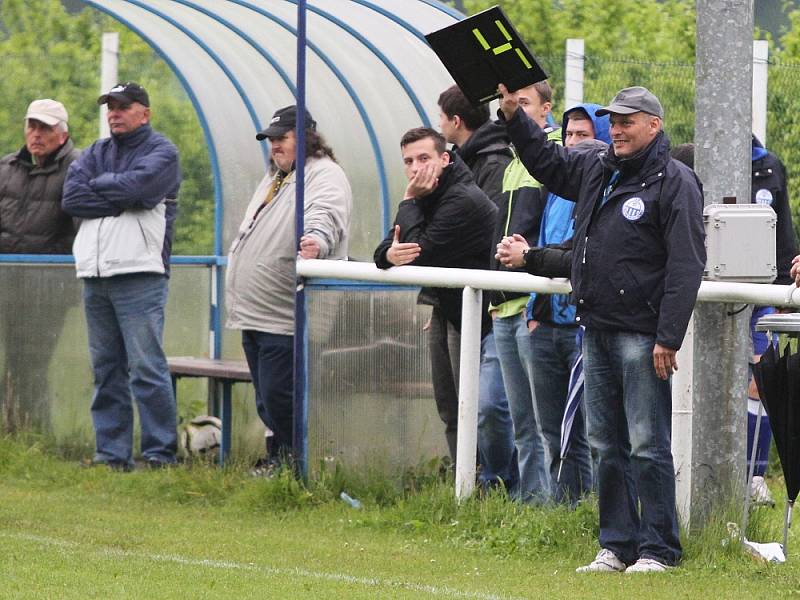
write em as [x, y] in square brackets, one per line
[438, 591]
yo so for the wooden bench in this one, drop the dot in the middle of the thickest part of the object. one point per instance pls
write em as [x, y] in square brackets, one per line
[221, 374]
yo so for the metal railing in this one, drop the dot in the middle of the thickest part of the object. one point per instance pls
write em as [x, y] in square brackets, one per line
[474, 282]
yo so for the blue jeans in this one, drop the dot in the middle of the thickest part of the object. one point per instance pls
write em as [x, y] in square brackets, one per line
[125, 319]
[554, 352]
[630, 424]
[498, 456]
[515, 352]
[271, 361]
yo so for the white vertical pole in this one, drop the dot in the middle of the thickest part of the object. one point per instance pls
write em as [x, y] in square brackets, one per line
[573, 88]
[109, 59]
[682, 385]
[760, 80]
[470, 363]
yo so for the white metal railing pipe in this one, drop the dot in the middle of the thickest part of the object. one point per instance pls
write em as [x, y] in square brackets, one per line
[469, 371]
[710, 291]
[432, 276]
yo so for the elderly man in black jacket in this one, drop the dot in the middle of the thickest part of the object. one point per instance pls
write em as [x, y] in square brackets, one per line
[444, 220]
[637, 264]
[32, 222]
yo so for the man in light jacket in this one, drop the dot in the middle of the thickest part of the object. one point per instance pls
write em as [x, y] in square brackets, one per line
[124, 190]
[261, 275]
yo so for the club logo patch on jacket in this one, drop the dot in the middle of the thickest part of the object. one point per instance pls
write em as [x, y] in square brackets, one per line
[764, 196]
[633, 209]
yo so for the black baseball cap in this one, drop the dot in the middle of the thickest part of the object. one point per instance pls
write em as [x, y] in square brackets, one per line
[632, 100]
[127, 92]
[283, 121]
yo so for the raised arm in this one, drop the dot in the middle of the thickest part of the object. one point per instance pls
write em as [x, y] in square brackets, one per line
[548, 162]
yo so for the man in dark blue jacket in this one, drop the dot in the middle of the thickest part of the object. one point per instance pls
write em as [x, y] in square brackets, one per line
[124, 190]
[637, 264]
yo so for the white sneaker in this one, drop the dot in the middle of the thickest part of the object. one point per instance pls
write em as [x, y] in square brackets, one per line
[759, 492]
[605, 562]
[647, 565]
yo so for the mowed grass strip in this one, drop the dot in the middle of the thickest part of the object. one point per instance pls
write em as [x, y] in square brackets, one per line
[69, 532]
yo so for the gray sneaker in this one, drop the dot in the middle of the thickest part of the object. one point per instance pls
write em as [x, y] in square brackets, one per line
[605, 562]
[647, 565]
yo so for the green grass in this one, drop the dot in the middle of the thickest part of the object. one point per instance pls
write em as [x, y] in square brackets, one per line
[200, 532]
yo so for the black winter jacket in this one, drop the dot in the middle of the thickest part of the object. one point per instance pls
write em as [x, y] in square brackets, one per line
[550, 261]
[487, 155]
[521, 206]
[638, 259]
[769, 187]
[31, 219]
[453, 226]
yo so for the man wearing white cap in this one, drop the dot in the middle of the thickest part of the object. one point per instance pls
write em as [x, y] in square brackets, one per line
[32, 222]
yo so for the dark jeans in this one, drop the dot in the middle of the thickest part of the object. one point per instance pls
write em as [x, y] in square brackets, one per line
[271, 361]
[630, 424]
[125, 318]
[444, 345]
[554, 352]
[496, 452]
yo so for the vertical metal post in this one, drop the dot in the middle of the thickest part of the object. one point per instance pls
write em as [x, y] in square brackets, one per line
[760, 85]
[300, 441]
[682, 392]
[573, 86]
[723, 129]
[109, 60]
[469, 369]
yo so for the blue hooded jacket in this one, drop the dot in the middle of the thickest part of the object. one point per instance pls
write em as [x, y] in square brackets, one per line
[557, 226]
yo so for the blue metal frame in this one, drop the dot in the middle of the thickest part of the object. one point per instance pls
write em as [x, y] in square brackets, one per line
[215, 57]
[300, 420]
[362, 111]
[448, 10]
[378, 54]
[258, 48]
[404, 24]
[361, 286]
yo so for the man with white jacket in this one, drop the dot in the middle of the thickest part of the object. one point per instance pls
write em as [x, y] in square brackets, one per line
[124, 190]
[261, 275]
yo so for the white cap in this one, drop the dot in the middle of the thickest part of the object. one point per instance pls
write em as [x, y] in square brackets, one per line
[49, 112]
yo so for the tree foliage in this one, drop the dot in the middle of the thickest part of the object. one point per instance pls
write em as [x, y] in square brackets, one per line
[49, 53]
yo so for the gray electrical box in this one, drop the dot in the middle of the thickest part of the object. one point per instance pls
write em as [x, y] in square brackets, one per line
[740, 243]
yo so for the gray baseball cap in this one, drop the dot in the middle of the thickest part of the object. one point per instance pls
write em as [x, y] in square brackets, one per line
[632, 100]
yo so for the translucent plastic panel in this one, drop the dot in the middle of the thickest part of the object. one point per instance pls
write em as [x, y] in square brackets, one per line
[240, 156]
[331, 105]
[46, 376]
[370, 398]
[382, 96]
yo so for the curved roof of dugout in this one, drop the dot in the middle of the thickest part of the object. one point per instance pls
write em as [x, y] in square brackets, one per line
[369, 71]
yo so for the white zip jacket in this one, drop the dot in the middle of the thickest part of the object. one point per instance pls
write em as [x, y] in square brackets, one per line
[129, 243]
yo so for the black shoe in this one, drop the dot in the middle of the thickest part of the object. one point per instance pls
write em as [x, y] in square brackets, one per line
[154, 463]
[114, 465]
[266, 468]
